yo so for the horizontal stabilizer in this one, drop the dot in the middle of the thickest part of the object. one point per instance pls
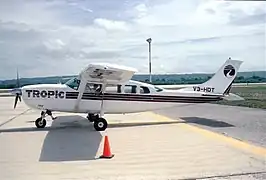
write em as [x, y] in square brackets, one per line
[233, 97]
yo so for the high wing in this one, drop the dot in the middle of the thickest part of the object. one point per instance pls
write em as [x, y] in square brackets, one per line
[103, 73]
[107, 73]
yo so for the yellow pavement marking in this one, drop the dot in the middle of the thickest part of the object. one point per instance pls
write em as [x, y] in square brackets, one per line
[234, 142]
[133, 121]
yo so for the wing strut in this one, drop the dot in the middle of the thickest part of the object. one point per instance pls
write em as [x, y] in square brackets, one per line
[82, 86]
[102, 105]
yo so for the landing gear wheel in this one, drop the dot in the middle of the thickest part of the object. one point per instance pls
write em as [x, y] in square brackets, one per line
[100, 124]
[40, 123]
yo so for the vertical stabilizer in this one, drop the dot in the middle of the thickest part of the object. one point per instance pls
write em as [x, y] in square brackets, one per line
[221, 81]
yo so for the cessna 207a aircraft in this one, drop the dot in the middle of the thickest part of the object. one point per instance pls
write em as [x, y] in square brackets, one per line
[103, 88]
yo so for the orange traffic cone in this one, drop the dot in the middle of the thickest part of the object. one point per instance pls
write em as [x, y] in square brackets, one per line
[106, 149]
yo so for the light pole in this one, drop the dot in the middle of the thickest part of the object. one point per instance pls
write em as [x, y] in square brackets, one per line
[149, 41]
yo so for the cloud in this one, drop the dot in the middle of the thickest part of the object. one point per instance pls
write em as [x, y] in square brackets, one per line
[253, 19]
[44, 38]
[111, 24]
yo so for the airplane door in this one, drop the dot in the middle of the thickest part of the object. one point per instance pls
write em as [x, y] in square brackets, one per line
[92, 98]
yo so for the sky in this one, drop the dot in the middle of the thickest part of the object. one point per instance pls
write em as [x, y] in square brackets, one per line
[61, 37]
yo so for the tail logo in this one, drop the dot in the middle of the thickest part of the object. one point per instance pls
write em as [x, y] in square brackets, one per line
[229, 71]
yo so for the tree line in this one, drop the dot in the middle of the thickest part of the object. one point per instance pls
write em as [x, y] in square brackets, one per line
[198, 80]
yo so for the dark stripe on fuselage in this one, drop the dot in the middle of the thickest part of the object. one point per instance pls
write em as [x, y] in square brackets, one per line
[142, 98]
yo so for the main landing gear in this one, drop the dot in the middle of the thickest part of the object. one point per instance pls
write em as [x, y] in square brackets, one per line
[100, 124]
[41, 122]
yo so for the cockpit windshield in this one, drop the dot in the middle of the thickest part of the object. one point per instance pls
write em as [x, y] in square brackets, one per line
[73, 83]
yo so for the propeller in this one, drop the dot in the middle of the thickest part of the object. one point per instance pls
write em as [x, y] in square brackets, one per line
[16, 99]
[17, 92]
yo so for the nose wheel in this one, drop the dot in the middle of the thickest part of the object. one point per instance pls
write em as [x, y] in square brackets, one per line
[40, 122]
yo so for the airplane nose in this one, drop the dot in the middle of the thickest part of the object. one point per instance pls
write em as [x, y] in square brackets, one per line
[17, 93]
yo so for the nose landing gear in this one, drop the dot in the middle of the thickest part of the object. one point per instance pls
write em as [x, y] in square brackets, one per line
[100, 124]
[41, 122]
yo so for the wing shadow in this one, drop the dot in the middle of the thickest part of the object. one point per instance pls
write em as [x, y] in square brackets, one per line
[73, 138]
[206, 122]
[70, 142]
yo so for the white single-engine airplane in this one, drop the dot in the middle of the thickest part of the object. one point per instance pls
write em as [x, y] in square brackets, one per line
[103, 88]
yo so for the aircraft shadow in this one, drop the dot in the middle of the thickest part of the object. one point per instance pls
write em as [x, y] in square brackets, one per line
[206, 122]
[73, 138]
[70, 142]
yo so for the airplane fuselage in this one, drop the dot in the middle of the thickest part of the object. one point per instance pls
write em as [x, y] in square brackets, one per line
[100, 89]
[127, 98]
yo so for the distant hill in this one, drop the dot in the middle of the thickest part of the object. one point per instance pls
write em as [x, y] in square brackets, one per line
[194, 78]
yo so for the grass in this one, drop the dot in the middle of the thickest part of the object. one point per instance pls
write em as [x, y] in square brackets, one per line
[254, 95]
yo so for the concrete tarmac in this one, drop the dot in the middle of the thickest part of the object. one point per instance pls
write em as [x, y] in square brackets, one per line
[245, 124]
[145, 146]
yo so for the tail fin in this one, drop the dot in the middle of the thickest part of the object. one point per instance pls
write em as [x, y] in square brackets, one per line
[222, 80]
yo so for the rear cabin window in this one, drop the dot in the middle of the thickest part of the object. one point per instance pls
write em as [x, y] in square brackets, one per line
[144, 90]
[111, 89]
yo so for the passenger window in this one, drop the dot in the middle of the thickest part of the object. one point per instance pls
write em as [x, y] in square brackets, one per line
[130, 89]
[94, 88]
[111, 89]
[144, 89]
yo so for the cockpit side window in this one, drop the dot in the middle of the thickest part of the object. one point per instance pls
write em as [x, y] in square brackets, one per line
[144, 90]
[73, 83]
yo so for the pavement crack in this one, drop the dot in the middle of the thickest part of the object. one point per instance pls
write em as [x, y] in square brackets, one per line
[11, 119]
[226, 175]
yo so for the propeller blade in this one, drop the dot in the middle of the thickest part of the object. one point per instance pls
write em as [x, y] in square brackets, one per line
[19, 98]
[16, 101]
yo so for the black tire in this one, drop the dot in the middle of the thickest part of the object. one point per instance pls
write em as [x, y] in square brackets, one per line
[100, 124]
[39, 123]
